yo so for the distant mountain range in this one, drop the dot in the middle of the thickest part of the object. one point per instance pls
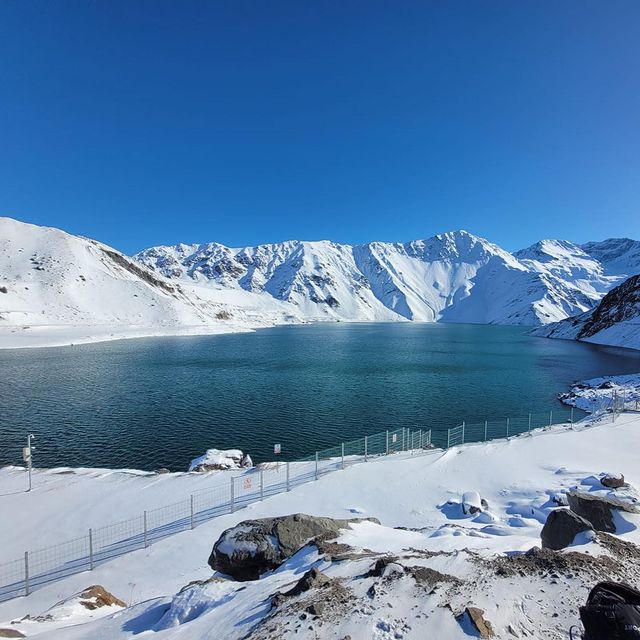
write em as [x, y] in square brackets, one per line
[452, 277]
[49, 278]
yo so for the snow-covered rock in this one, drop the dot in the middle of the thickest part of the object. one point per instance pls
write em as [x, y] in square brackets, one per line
[221, 460]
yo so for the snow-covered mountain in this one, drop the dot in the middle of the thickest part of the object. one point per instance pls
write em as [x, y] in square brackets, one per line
[51, 281]
[453, 277]
[614, 321]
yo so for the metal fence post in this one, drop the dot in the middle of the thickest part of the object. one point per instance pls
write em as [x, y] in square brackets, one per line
[402, 439]
[365, 449]
[486, 426]
[550, 417]
[463, 424]
[90, 550]
[448, 437]
[287, 476]
[571, 419]
[232, 497]
[343, 455]
[261, 484]
[146, 540]
[507, 427]
[387, 450]
[316, 465]
[191, 505]
[529, 424]
[27, 591]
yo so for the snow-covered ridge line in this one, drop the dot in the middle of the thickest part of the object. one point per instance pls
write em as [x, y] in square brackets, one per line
[454, 277]
[56, 288]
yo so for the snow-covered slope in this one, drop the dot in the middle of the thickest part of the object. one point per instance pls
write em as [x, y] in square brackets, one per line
[454, 277]
[618, 256]
[475, 559]
[614, 321]
[56, 287]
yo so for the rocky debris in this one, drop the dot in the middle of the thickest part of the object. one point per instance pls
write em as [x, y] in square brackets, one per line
[390, 567]
[561, 527]
[162, 470]
[253, 547]
[11, 633]
[97, 596]
[312, 579]
[597, 510]
[476, 617]
[221, 460]
[612, 480]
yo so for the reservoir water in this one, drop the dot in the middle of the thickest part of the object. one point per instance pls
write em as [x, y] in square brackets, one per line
[159, 402]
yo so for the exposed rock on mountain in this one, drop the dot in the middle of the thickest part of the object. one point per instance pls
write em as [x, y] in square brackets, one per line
[614, 321]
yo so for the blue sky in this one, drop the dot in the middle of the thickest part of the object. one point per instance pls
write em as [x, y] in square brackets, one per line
[143, 123]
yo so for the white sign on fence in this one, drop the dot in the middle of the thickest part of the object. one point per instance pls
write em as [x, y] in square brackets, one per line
[277, 448]
[394, 438]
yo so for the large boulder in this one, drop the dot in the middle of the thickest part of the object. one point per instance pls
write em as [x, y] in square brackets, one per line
[598, 509]
[561, 527]
[254, 547]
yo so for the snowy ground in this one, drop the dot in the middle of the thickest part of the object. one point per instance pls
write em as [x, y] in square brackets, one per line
[519, 479]
[597, 394]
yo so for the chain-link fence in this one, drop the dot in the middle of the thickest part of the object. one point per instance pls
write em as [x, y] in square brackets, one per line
[41, 566]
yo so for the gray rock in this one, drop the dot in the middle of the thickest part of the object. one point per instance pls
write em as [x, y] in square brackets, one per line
[598, 509]
[254, 547]
[11, 633]
[561, 528]
[612, 481]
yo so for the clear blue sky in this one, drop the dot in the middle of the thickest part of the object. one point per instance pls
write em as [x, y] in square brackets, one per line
[147, 122]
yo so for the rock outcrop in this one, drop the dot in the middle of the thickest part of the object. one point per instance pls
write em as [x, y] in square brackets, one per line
[598, 510]
[254, 547]
[561, 528]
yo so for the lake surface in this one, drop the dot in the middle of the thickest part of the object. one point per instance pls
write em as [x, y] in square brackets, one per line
[159, 402]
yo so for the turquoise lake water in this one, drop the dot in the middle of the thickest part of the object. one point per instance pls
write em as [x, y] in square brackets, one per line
[159, 402]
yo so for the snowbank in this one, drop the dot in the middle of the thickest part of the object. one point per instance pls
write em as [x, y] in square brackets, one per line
[598, 394]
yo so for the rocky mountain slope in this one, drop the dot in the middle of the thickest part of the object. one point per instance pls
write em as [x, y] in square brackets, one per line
[453, 277]
[614, 321]
[51, 279]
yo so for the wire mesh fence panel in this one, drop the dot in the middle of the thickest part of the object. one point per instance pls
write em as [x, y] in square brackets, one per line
[376, 444]
[118, 538]
[12, 579]
[456, 436]
[60, 560]
[168, 520]
[212, 502]
[354, 449]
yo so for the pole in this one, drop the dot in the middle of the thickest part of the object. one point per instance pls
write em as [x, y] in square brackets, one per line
[550, 417]
[529, 424]
[232, 497]
[486, 426]
[448, 437]
[316, 465]
[387, 451]
[90, 549]
[146, 540]
[29, 458]
[261, 484]
[192, 522]
[365, 449]
[507, 427]
[402, 439]
[571, 418]
[288, 476]
[463, 424]
[343, 455]
[27, 591]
